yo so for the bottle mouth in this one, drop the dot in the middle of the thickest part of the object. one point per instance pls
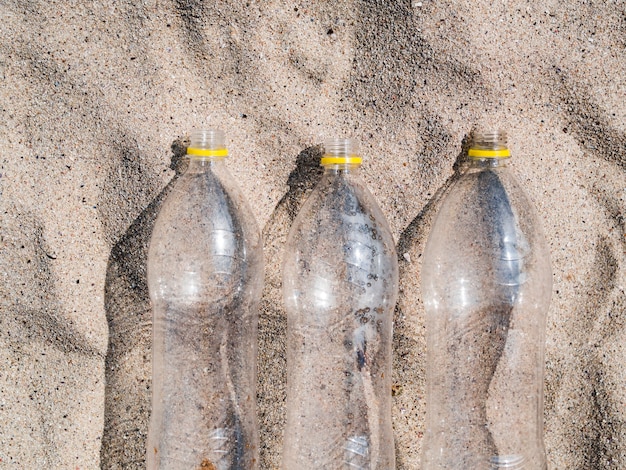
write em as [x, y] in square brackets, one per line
[207, 143]
[489, 144]
[340, 151]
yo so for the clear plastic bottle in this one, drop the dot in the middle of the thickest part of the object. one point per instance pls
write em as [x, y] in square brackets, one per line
[205, 275]
[340, 281]
[486, 285]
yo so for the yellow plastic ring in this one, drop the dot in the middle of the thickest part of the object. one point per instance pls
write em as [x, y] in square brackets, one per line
[480, 153]
[207, 152]
[341, 160]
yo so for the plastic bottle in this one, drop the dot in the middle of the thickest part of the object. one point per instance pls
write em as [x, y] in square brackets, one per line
[205, 275]
[486, 285]
[340, 280]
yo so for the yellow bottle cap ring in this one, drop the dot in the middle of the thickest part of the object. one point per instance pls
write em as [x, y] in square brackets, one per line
[334, 160]
[483, 153]
[196, 152]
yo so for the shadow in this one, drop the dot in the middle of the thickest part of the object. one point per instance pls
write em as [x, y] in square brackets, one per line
[272, 362]
[409, 340]
[605, 425]
[587, 122]
[590, 375]
[394, 61]
[48, 363]
[129, 316]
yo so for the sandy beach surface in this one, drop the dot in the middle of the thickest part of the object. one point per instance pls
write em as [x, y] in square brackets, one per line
[98, 98]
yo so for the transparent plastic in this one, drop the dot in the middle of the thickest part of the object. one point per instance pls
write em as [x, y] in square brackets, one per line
[486, 285]
[340, 281]
[205, 275]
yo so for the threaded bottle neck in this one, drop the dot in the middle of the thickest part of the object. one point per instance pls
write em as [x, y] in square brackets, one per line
[341, 153]
[489, 144]
[207, 143]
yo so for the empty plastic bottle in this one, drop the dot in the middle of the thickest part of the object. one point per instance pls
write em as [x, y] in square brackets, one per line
[205, 275]
[486, 285]
[340, 280]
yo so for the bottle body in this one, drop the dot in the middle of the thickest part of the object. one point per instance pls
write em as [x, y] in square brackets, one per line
[340, 280]
[205, 272]
[486, 285]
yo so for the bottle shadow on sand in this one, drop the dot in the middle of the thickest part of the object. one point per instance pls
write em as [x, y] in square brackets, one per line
[128, 363]
[272, 364]
[409, 338]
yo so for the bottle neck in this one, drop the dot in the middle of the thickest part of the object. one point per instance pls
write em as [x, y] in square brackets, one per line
[489, 150]
[204, 164]
[341, 169]
[488, 163]
[340, 157]
[206, 150]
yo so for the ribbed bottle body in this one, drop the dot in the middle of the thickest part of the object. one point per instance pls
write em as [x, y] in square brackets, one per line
[205, 275]
[486, 286]
[340, 280]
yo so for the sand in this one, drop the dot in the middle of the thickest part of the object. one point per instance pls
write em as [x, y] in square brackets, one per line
[98, 98]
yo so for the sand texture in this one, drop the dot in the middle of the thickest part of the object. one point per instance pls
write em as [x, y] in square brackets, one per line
[97, 99]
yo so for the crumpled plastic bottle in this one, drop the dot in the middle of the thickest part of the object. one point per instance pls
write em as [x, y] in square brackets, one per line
[486, 286]
[340, 281]
[205, 275]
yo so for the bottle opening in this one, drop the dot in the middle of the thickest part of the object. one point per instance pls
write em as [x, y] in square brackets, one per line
[340, 151]
[489, 144]
[207, 143]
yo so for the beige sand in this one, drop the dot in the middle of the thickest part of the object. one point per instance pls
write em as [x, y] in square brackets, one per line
[96, 97]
